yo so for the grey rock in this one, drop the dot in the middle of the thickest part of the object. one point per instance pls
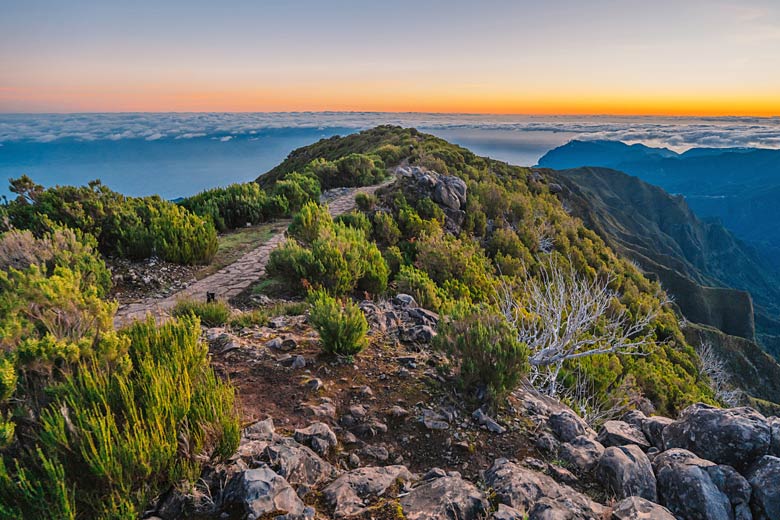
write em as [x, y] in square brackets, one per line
[619, 433]
[351, 493]
[733, 436]
[434, 473]
[774, 427]
[528, 490]
[445, 498]
[298, 464]
[567, 425]
[370, 428]
[555, 188]
[353, 460]
[378, 453]
[504, 512]
[318, 436]
[638, 508]
[433, 420]
[626, 471]
[488, 422]
[583, 452]
[698, 489]
[260, 492]
[635, 418]
[547, 442]
[314, 384]
[653, 428]
[764, 478]
[294, 362]
[405, 300]
[324, 410]
[397, 412]
[261, 430]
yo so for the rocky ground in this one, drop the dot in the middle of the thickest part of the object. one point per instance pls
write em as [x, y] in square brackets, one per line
[387, 435]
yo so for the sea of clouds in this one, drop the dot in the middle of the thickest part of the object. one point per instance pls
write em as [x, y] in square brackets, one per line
[676, 133]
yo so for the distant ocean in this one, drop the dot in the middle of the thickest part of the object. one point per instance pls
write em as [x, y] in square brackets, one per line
[176, 155]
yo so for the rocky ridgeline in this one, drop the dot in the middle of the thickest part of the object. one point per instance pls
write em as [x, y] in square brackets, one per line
[448, 191]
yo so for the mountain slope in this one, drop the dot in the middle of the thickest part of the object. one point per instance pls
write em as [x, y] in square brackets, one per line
[739, 186]
[698, 262]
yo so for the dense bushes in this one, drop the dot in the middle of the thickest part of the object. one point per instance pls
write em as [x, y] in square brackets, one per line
[342, 326]
[210, 314]
[323, 254]
[487, 352]
[124, 226]
[231, 207]
[95, 422]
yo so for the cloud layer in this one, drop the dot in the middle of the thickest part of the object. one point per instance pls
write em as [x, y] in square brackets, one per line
[676, 133]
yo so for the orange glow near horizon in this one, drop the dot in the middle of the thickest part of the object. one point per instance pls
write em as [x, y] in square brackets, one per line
[377, 98]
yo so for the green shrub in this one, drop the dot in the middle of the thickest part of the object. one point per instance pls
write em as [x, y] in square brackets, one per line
[328, 255]
[231, 207]
[261, 316]
[60, 247]
[298, 189]
[342, 327]
[124, 226]
[211, 314]
[386, 231]
[356, 220]
[308, 224]
[351, 170]
[94, 422]
[418, 284]
[365, 201]
[487, 351]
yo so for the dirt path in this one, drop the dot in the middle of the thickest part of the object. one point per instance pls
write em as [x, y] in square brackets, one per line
[233, 279]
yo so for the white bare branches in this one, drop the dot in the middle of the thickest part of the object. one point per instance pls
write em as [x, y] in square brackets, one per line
[564, 316]
[712, 365]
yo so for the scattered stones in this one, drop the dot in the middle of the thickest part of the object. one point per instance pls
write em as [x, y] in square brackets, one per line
[638, 508]
[397, 412]
[378, 453]
[733, 436]
[764, 478]
[294, 362]
[350, 493]
[619, 433]
[486, 421]
[504, 512]
[404, 300]
[445, 498]
[318, 436]
[626, 471]
[583, 452]
[314, 384]
[433, 420]
[324, 410]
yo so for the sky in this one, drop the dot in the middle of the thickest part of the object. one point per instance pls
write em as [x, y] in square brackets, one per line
[681, 57]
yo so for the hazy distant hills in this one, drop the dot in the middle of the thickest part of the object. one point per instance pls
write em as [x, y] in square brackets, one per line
[740, 186]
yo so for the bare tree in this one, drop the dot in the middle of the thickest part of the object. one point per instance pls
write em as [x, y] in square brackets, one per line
[712, 365]
[563, 316]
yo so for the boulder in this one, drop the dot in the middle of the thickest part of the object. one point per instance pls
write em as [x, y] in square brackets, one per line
[445, 498]
[626, 471]
[525, 489]
[299, 465]
[774, 427]
[619, 433]
[583, 452]
[637, 508]
[764, 478]
[653, 428]
[504, 512]
[488, 422]
[635, 418]
[567, 425]
[351, 493]
[318, 436]
[733, 436]
[261, 430]
[261, 493]
[698, 489]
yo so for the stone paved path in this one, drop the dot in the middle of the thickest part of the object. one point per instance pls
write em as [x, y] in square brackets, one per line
[233, 279]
